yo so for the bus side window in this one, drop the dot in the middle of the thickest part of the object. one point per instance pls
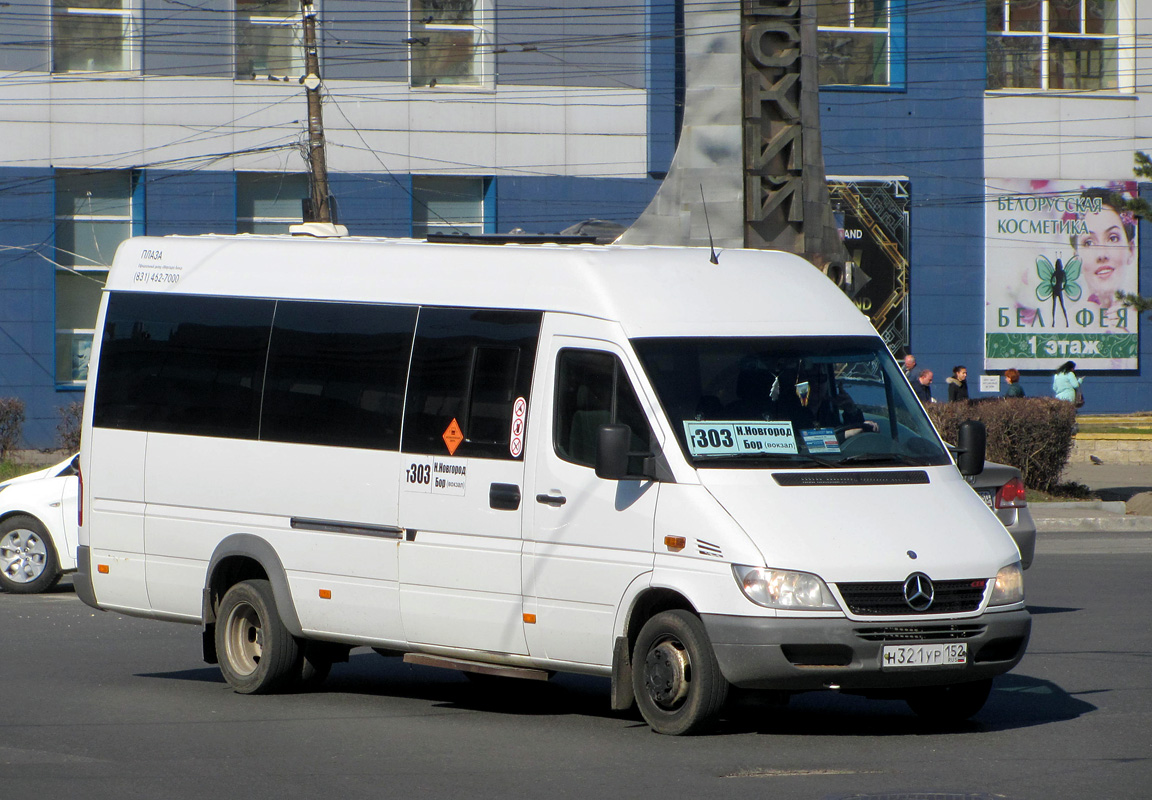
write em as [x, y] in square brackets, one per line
[336, 374]
[468, 365]
[183, 364]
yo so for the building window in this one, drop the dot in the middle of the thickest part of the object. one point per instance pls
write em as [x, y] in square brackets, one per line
[1054, 44]
[269, 38]
[268, 202]
[92, 35]
[854, 42]
[447, 204]
[93, 215]
[446, 42]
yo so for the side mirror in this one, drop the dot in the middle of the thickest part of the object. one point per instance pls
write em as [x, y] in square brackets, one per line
[970, 446]
[612, 451]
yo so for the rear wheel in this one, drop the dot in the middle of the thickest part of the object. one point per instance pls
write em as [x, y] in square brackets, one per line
[28, 562]
[257, 653]
[677, 681]
[954, 703]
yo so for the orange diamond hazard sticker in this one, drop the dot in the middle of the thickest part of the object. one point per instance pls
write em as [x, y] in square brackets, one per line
[453, 437]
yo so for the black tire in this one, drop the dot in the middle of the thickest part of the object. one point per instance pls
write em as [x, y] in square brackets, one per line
[677, 681]
[950, 704]
[257, 654]
[28, 562]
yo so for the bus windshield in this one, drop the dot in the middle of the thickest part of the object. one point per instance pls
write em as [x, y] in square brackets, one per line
[792, 401]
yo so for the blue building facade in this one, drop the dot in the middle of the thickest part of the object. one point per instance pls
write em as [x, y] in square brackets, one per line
[949, 124]
[189, 121]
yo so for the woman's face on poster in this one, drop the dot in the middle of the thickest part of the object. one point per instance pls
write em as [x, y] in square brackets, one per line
[1106, 254]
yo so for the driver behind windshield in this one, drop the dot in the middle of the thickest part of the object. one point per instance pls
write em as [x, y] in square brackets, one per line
[819, 401]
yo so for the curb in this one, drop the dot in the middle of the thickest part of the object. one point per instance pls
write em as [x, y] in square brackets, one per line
[1109, 506]
[1096, 523]
[1087, 516]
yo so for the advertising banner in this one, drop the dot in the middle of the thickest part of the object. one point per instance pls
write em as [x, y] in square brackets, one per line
[873, 215]
[1056, 252]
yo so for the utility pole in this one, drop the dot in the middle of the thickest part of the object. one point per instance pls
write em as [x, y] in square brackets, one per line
[321, 210]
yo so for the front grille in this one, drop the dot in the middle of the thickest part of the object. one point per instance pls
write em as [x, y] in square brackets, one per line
[887, 599]
[920, 633]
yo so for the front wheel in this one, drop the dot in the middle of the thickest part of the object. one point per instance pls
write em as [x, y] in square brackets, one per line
[257, 653]
[677, 681]
[954, 703]
[28, 563]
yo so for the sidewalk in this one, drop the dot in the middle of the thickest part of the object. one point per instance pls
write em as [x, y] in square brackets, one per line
[1125, 504]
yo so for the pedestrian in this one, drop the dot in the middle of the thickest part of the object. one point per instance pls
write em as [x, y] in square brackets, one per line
[958, 384]
[909, 366]
[1012, 377]
[1066, 384]
[923, 386]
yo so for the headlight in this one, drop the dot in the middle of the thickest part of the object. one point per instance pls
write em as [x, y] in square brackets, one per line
[1009, 586]
[776, 588]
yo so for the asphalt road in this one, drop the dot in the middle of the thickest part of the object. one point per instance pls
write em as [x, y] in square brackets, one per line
[97, 705]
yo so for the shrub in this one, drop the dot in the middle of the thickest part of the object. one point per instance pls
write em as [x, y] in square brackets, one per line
[1033, 434]
[11, 424]
[68, 428]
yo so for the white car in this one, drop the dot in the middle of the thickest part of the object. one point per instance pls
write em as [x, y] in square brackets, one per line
[38, 528]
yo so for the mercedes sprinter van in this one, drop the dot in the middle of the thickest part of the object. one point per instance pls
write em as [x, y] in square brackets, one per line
[527, 459]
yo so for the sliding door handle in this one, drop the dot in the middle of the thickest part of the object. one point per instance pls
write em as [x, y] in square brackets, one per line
[551, 499]
[504, 496]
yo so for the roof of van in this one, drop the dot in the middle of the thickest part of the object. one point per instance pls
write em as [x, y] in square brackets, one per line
[651, 291]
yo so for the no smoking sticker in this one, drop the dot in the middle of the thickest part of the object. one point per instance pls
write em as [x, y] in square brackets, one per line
[516, 441]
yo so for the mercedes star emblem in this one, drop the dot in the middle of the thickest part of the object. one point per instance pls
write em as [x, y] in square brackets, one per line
[918, 591]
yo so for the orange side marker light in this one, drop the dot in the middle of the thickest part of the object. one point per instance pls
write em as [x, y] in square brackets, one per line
[675, 542]
[325, 594]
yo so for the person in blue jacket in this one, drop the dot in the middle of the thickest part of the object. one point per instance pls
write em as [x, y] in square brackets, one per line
[1065, 382]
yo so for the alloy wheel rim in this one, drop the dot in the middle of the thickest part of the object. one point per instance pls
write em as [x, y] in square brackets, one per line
[23, 555]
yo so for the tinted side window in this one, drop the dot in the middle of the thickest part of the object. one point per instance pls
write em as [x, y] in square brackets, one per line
[183, 364]
[468, 365]
[592, 389]
[336, 374]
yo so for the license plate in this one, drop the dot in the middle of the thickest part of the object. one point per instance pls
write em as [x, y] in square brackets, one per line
[986, 497]
[924, 655]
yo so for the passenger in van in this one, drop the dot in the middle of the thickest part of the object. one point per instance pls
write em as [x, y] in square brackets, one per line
[853, 416]
[753, 393]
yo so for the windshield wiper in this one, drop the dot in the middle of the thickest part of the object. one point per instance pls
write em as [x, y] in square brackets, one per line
[878, 458]
[791, 458]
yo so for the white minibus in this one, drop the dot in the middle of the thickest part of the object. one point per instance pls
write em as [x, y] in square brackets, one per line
[518, 460]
